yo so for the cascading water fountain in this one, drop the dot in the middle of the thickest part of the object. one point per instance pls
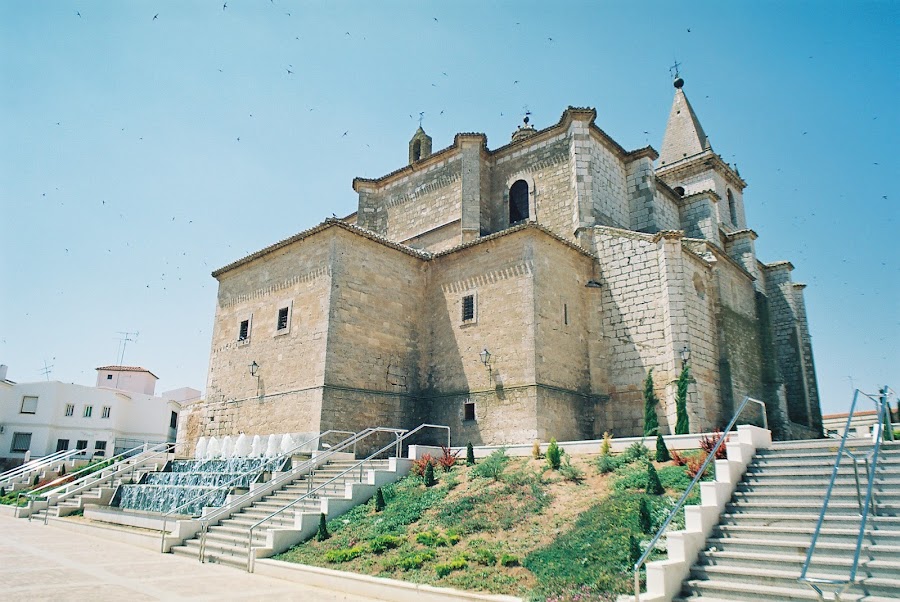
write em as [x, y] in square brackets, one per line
[217, 469]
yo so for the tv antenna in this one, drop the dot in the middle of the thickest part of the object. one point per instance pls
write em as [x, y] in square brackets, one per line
[47, 369]
[124, 339]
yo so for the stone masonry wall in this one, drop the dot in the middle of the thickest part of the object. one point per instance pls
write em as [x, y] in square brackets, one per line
[699, 217]
[607, 179]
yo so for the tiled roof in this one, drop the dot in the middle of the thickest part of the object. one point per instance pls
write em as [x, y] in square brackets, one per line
[127, 369]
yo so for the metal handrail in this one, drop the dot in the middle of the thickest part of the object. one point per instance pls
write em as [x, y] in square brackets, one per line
[38, 463]
[68, 480]
[684, 496]
[406, 434]
[129, 464]
[259, 470]
[871, 469]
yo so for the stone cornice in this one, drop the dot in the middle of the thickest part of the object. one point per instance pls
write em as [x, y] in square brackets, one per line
[700, 162]
[778, 265]
[719, 255]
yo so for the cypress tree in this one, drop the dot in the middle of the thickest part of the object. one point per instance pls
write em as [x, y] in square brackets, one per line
[651, 422]
[654, 487]
[634, 550]
[379, 500]
[662, 452]
[682, 425]
[429, 475]
[554, 455]
[644, 521]
[470, 454]
[323, 533]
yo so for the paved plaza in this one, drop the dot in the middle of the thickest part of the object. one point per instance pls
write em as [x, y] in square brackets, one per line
[39, 562]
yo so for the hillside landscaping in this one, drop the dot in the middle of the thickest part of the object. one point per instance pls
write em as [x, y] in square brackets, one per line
[511, 525]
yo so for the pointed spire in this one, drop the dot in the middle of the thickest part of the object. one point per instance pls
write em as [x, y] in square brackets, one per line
[684, 135]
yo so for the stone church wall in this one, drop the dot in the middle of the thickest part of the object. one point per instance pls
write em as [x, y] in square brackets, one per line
[607, 176]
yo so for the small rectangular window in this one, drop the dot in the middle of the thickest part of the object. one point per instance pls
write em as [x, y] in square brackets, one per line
[566, 314]
[469, 411]
[468, 308]
[100, 448]
[70, 409]
[81, 444]
[282, 318]
[62, 445]
[109, 377]
[173, 420]
[105, 413]
[29, 405]
[244, 332]
[88, 410]
[21, 443]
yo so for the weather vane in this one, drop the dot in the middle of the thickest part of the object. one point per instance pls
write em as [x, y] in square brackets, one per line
[421, 117]
[674, 68]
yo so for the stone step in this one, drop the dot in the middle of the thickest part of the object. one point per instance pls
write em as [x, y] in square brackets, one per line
[787, 579]
[808, 519]
[820, 482]
[246, 522]
[776, 545]
[234, 531]
[887, 465]
[720, 591]
[236, 539]
[845, 495]
[803, 534]
[216, 548]
[821, 564]
[814, 444]
[813, 506]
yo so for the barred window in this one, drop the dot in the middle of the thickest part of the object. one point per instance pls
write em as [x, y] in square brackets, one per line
[468, 308]
[70, 409]
[21, 443]
[244, 330]
[282, 318]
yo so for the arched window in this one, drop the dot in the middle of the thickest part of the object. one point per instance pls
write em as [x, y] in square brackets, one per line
[518, 202]
[732, 210]
[417, 150]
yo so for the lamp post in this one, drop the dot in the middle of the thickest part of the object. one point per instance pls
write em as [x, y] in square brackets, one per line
[685, 356]
[254, 369]
[485, 356]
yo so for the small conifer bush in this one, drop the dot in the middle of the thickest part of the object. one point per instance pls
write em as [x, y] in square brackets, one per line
[470, 454]
[606, 446]
[644, 521]
[62, 471]
[634, 550]
[37, 479]
[323, 533]
[429, 475]
[654, 487]
[509, 560]
[536, 450]
[2, 492]
[379, 500]
[554, 455]
[662, 452]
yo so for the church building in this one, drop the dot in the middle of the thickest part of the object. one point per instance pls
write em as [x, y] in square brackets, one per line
[517, 293]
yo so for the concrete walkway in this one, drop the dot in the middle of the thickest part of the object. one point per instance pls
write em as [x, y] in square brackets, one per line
[39, 562]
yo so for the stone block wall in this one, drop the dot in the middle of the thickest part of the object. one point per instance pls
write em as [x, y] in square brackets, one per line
[609, 186]
[699, 217]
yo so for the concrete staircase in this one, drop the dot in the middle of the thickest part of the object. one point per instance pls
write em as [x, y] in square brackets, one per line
[101, 494]
[226, 542]
[760, 544]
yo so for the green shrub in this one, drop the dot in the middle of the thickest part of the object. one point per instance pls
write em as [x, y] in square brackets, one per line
[343, 554]
[2, 492]
[470, 454]
[509, 560]
[644, 520]
[492, 466]
[379, 500]
[651, 422]
[662, 452]
[445, 568]
[429, 475]
[434, 539]
[323, 533]
[554, 455]
[384, 542]
[654, 487]
[536, 450]
[636, 451]
[36, 480]
[62, 470]
[682, 423]
[410, 560]
[569, 472]
[634, 550]
[607, 463]
[483, 556]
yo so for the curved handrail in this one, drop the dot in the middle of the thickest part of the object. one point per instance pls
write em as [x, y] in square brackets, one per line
[406, 434]
[37, 463]
[68, 480]
[259, 470]
[109, 473]
[880, 404]
[684, 496]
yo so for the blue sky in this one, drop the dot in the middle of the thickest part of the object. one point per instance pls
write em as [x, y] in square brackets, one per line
[139, 154]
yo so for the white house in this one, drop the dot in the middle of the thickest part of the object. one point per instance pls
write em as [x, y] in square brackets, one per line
[121, 412]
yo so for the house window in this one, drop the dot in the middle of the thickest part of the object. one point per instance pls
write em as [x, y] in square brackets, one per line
[173, 420]
[468, 308]
[109, 377]
[21, 443]
[29, 405]
[282, 318]
[88, 410]
[100, 448]
[469, 410]
[732, 209]
[105, 413]
[518, 202]
[62, 445]
[70, 409]
[81, 444]
[244, 332]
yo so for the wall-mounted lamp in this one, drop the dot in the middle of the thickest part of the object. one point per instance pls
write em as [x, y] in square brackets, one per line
[685, 356]
[254, 368]
[485, 358]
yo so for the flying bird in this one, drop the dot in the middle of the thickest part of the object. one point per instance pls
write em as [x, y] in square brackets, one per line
[156, 16]
[224, 6]
[78, 13]
[689, 30]
[289, 73]
[345, 133]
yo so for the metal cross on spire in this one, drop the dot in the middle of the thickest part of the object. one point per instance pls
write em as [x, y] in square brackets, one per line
[673, 70]
[421, 117]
